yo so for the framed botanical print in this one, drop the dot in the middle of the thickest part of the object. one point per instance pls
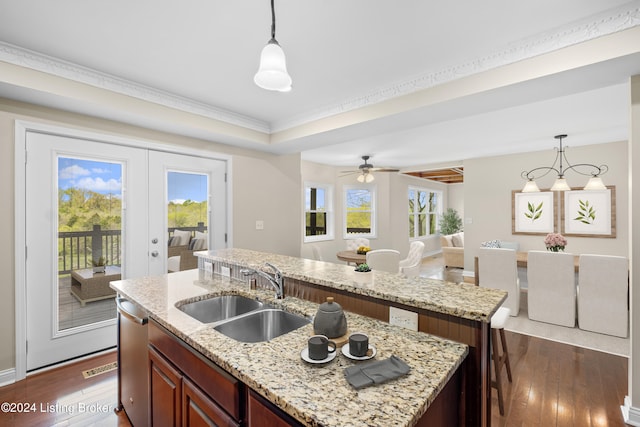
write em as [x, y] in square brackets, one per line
[589, 213]
[533, 213]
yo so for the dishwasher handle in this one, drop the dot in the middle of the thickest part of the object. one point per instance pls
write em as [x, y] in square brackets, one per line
[120, 302]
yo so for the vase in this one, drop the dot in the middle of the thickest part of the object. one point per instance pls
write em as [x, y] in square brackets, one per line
[555, 248]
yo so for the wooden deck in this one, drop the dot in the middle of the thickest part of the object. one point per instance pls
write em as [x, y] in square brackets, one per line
[72, 314]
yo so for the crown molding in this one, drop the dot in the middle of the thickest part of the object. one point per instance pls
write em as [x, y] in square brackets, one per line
[39, 62]
[606, 23]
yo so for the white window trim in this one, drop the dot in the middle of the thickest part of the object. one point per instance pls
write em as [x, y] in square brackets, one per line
[328, 188]
[439, 209]
[374, 208]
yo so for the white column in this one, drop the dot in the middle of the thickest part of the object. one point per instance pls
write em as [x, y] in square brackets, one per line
[631, 407]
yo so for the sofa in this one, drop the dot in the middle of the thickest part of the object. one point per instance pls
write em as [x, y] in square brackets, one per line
[181, 248]
[453, 250]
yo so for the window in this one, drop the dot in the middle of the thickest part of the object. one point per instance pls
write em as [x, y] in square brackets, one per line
[425, 207]
[318, 214]
[359, 211]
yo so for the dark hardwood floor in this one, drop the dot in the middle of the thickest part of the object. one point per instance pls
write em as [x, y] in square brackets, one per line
[62, 397]
[560, 385]
[553, 385]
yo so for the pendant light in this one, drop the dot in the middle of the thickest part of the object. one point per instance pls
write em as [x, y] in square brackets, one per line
[560, 184]
[272, 74]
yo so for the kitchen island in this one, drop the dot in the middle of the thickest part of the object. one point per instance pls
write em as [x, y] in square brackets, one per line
[312, 395]
[442, 379]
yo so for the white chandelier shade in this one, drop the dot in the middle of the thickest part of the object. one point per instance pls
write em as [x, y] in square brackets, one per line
[561, 184]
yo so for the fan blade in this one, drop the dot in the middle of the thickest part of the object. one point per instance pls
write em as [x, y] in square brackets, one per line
[384, 170]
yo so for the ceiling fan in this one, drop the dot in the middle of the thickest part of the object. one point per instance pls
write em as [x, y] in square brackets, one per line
[365, 169]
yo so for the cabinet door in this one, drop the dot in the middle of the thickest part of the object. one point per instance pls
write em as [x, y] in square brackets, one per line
[166, 392]
[200, 410]
[264, 414]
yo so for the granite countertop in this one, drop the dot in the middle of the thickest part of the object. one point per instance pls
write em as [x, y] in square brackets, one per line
[316, 395]
[462, 300]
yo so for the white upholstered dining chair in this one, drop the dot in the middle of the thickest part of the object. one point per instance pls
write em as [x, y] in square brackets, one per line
[603, 289]
[354, 244]
[384, 260]
[551, 287]
[498, 269]
[410, 266]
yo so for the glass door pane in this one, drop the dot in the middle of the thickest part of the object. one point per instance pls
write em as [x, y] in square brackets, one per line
[187, 218]
[187, 201]
[89, 240]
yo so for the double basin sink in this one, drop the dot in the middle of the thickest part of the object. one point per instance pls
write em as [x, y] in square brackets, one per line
[243, 319]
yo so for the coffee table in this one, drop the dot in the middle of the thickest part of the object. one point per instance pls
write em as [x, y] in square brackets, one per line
[88, 286]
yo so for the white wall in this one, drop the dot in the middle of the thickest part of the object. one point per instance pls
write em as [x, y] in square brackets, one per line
[455, 200]
[267, 189]
[490, 181]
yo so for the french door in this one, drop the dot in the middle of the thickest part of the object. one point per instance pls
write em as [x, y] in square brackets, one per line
[90, 202]
[189, 191]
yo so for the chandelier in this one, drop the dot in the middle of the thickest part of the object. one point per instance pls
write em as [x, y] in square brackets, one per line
[560, 184]
[272, 74]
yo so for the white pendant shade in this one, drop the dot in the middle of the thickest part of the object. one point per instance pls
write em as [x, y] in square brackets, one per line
[560, 185]
[531, 187]
[595, 183]
[272, 74]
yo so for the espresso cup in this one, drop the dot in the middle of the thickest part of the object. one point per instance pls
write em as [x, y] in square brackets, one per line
[358, 344]
[320, 346]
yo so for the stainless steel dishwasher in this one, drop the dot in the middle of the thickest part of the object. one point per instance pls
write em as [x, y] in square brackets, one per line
[133, 371]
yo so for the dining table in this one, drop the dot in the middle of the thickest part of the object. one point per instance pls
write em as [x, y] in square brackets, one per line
[352, 257]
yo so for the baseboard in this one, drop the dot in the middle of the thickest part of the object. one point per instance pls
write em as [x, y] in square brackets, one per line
[468, 276]
[7, 377]
[630, 414]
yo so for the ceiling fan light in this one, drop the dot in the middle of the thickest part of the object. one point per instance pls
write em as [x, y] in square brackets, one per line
[368, 178]
[272, 74]
[560, 184]
[531, 187]
[360, 178]
[595, 183]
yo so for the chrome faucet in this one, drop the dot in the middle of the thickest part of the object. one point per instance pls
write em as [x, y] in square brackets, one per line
[276, 280]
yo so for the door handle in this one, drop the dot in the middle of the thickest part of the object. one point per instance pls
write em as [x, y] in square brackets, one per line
[154, 254]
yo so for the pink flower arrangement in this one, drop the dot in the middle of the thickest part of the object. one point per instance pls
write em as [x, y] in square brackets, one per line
[555, 242]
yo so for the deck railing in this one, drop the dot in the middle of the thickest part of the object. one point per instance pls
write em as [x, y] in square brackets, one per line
[77, 249]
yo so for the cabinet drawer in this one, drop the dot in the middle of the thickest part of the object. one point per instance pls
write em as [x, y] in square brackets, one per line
[211, 379]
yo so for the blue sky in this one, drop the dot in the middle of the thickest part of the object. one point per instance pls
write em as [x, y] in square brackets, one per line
[187, 186]
[101, 177]
[106, 178]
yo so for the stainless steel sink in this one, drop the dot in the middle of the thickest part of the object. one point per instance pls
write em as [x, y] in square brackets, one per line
[262, 325]
[219, 308]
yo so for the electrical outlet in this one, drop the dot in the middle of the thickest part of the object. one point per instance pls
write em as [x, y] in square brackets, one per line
[259, 224]
[208, 270]
[406, 319]
[225, 271]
